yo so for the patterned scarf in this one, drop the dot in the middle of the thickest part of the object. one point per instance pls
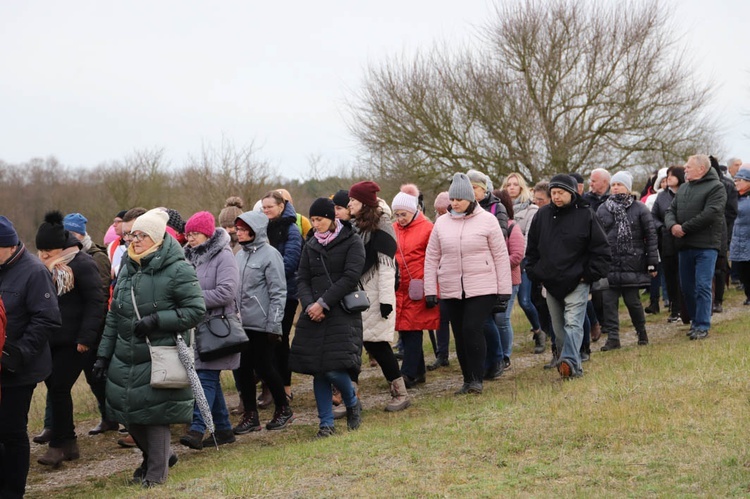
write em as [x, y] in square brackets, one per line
[618, 204]
[62, 275]
[326, 237]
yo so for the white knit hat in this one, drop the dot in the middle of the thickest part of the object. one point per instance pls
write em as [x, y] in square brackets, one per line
[404, 201]
[624, 178]
[153, 223]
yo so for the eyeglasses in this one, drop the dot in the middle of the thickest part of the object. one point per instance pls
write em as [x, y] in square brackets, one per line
[239, 228]
[193, 235]
[127, 236]
[402, 214]
[140, 236]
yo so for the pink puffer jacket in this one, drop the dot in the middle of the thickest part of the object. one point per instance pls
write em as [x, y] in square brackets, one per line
[467, 257]
[516, 250]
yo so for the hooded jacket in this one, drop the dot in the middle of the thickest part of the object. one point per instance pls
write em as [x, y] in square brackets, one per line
[262, 292]
[335, 343]
[285, 236]
[219, 279]
[566, 246]
[699, 207]
[32, 318]
[164, 284]
[492, 204]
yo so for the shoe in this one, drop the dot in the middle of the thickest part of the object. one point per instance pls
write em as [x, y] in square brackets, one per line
[506, 363]
[222, 437]
[104, 426]
[336, 398]
[53, 457]
[717, 308]
[539, 341]
[354, 416]
[642, 337]
[746, 302]
[141, 470]
[653, 308]
[265, 399]
[70, 450]
[699, 334]
[282, 418]
[325, 432]
[400, 399]
[673, 318]
[440, 361]
[475, 388]
[740, 287]
[611, 345]
[126, 441]
[339, 411]
[192, 439]
[248, 423]
[565, 369]
[553, 361]
[413, 382]
[463, 390]
[149, 484]
[596, 332]
[494, 372]
[44, 437]
[585, 356]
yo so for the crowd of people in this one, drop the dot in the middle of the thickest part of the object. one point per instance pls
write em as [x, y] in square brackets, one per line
[358, 274]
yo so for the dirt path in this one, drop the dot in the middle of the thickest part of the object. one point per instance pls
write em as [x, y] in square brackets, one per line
[102, 457]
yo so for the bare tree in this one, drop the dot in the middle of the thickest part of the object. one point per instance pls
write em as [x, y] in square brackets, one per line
[556, 86]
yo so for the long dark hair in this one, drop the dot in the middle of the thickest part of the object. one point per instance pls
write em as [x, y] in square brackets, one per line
[505, 198]
[368, 218]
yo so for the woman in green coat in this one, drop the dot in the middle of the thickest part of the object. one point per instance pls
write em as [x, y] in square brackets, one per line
[169, 301]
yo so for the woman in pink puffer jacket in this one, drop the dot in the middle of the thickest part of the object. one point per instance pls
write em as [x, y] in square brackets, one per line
[467, 261]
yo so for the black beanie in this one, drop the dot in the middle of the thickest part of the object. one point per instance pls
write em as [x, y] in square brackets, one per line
[341, 198]
[51, 234]
[323, 207]
[564, 181]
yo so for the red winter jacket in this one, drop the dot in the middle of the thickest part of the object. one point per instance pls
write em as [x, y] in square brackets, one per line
[412, 243]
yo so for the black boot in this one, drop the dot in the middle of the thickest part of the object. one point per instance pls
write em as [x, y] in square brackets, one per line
[440, 361]
[539, 341]
[642, 337]
[653, 308]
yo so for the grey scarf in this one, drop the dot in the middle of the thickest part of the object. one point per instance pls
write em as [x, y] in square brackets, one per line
[618, 205]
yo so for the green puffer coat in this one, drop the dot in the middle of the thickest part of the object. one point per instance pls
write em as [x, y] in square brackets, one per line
[165, 284]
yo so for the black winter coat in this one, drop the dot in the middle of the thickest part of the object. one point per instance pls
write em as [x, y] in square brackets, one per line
[83, 308]
[566, 246]
[335, 343]
[699, 208]
[33, 317]
[631, 269]
[658, 212]
[492, 204]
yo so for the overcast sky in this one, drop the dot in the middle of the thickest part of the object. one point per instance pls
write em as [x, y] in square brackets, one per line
[92, 81]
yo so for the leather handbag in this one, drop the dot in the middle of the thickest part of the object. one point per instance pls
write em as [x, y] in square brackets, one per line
[354, 302]
[220, 335]
[166, 369]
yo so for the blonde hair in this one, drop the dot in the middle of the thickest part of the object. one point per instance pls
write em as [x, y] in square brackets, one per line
[525, 195]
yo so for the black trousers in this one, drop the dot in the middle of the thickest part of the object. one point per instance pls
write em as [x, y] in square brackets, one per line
[383, 353]
[67, 365]
[743, 269]
[14, 439]
[611, 320]
[670, 266]
[260, 357]
[467, 318]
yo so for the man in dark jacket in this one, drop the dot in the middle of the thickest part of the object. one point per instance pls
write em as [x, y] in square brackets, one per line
[598, 188]
[730, 215]
[567, 250]
[33, 317]
[696, 219]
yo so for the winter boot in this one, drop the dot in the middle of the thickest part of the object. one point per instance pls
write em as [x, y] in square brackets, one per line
[642, 337]
[192, 439]
[653, 307]
[44, 436]
[539, 341]
[249, 422]
[70, 450]
[282, 417]
[611, 345]
[596, 332]
[354, 416]
[399, 397]
[53, 457]
[440, 361]
[553, 361]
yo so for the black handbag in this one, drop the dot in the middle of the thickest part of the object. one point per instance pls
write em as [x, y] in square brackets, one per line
[354, 302]
[220, 335]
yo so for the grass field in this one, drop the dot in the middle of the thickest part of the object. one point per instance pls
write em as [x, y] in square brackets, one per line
[669, 419]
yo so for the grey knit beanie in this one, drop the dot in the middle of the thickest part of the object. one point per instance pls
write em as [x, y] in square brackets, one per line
[461, 188]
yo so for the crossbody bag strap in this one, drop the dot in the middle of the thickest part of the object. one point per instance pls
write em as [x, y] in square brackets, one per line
[404, 258]
[323, 261]
[138, 316]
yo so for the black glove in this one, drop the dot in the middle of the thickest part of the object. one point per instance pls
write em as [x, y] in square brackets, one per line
[385, 310]
[147, 325]
[12, 360]
[431, 301]
[501, 304]
[273, 338]
[99, 371]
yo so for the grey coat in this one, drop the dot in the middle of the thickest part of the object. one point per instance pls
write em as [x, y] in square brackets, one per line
[262, 291]
[219, 278]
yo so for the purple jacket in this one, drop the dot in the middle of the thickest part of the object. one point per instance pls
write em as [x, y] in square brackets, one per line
[219, 278]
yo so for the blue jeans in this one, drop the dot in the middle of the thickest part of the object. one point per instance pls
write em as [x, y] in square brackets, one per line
[494, 345]
[567, 319]
[504, 326]
[211, 383]
[323, 392]
[696, 276]
[413, 364]
[526, 303]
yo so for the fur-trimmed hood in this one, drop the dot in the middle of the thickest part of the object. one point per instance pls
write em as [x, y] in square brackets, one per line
[204, 252]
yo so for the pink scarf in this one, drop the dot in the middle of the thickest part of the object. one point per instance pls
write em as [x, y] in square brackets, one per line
[326, 237]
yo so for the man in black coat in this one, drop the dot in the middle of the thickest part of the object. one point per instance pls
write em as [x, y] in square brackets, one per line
[567, 250]
[33, 316]
[598, 188]
[730, 215]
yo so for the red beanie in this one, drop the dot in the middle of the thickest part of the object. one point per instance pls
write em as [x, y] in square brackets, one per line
[202, 222]
[365, 192]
